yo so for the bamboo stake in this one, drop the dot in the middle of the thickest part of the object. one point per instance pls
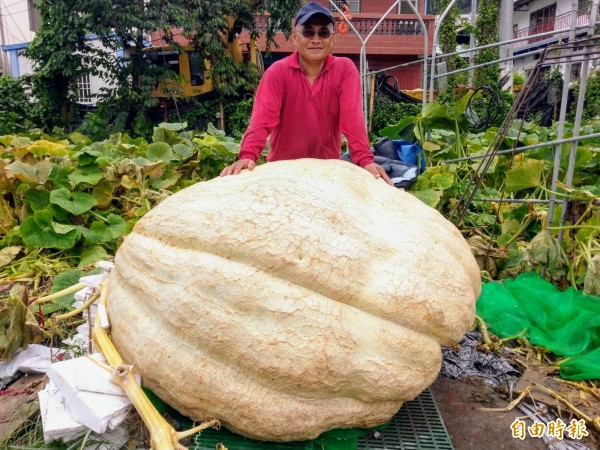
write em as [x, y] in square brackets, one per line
[372, 103]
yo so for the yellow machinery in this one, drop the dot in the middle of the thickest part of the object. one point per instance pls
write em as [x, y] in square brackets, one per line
[186, 62]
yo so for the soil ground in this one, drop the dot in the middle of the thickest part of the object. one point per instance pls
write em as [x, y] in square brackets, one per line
[471, 429]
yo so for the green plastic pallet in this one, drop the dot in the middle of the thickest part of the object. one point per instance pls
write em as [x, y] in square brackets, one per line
[418, 425]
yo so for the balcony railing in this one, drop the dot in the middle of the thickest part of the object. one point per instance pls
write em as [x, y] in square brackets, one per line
[398, 25]
[559, 22]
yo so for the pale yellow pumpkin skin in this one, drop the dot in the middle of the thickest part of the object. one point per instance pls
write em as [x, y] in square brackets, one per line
[296, 298]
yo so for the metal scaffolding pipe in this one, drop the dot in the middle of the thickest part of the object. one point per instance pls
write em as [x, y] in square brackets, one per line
[434, 49]
[527, 147]
[578, 117]
[520, 200]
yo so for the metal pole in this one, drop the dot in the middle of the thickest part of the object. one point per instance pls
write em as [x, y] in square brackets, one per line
[489, 63]
[524, 38]
[361, 61]
[3, 41]
[578, 116]
[425, 55]
[375, 72]
[434, 49]
[473, 19]
[520, 200]
[525, 148]
[561, 119]
[506, 49]
[363, 51]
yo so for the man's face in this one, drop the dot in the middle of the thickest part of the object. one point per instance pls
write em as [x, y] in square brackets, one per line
[314, 49]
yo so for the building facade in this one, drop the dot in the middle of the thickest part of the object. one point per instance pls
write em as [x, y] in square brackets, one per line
[398, 39]
[19, 21]
[533, 17]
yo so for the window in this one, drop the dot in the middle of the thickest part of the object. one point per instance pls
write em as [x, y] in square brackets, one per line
[581, 4]
[34, 15]
[84, 90]
[353, 5]
[196, 69]
[543, 18]
[404, 7]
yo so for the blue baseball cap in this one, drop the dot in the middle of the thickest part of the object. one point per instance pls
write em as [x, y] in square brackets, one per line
[310, 9]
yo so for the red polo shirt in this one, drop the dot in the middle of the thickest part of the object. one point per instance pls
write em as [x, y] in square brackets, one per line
[306, 121]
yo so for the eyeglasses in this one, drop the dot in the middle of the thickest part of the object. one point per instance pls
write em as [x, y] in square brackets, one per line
[309, 33]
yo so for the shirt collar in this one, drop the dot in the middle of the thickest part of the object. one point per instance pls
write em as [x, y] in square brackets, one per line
[294, 61]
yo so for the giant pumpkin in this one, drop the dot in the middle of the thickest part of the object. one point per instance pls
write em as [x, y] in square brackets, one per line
[293, 299]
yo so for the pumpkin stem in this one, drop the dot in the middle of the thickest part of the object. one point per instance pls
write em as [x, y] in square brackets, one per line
[162, 435]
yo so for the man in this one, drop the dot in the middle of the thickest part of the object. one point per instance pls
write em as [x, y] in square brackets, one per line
[305, 101]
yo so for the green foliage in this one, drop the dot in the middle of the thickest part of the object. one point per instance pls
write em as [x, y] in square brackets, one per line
[486, 31]
[387, 111]
[442, 132]
[17, 112]
[81, 197]
[61, 53]
[591, 107]
[237, 116]
[518, 78]
[448, 36]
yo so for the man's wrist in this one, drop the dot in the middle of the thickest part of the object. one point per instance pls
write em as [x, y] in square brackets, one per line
[245, 154]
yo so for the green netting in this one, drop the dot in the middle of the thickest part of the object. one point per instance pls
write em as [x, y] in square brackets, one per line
[567, 323]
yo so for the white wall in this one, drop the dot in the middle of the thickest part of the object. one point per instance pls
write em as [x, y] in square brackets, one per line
[14, 21]
[15, 30]
[14, 27]
[521, 20]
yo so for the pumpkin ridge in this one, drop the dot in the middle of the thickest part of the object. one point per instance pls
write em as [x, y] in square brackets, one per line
[170, 321]
[360, 302]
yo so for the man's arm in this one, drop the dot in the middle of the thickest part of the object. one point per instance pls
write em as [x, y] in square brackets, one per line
[265, 117]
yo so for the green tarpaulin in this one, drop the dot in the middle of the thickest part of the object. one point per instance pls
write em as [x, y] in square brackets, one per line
[566, 322]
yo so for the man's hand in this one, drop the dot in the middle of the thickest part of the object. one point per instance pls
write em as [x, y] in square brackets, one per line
[237, 167]
[378, 172]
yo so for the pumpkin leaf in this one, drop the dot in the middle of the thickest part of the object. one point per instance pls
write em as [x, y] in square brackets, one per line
[74, 202]
[174, 126]
[163, 134]
[8, 254]
[443, 180]
[159, 151]
[21, 141]
[392, 131]
[545, 249]
[104, 232]
[169, 179]
[102, 193]
[38, 231]
[18, 327]
[591, 285]
[78, 138]
[183, 151]
[43, 148]
[90, 175]
[60, 177]
[37, 173]
[431, 146]
[62, 281]
[527, 175]
[37, 199]
[92, 255]
[430, 197]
